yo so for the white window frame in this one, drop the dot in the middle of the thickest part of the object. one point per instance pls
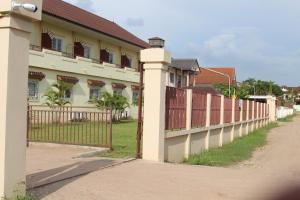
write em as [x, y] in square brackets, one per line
[172, 75]
[71, 95]
[87, 51]
[130, 61]
[99, 92]
[37, 96]
[118, 91]
[111, 57]
[135, 93]
[55, 46]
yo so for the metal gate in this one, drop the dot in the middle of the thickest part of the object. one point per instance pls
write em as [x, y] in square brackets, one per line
[70, 125]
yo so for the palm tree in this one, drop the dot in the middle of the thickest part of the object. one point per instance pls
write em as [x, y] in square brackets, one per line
[55, 95]
[117, 103]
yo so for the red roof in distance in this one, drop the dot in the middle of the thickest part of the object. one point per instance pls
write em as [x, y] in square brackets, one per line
[73, 14]
[208, 77]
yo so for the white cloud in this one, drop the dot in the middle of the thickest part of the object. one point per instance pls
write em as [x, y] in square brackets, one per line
[135, 22]
[245, 49]
[259, 38]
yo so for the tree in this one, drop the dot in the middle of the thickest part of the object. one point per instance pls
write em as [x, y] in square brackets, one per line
[251, 87]
[55, 95]
[117, 103]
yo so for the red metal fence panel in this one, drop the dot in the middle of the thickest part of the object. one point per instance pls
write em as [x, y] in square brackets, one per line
[175, 108]
[237, 114]
[199, 109]
[255, 109]
[227, 110]
[259, 110]
[215, 110]
[244, 110]
[250, 109]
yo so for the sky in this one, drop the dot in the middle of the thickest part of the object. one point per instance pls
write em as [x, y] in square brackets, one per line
[260, 38]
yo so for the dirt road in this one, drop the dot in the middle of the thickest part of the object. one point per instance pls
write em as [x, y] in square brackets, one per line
[271, 170]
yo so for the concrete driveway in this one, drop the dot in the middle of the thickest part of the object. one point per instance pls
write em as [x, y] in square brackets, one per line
[270, 171]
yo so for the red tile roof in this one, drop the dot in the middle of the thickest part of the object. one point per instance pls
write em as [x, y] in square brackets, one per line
[73, 14]
[208, 77]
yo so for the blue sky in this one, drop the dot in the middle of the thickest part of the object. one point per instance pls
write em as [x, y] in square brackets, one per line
[260, 38]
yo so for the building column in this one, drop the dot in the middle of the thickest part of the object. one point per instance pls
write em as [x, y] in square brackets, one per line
[14, 61]
[156, 61]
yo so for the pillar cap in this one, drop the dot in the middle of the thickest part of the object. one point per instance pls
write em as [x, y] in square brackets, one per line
[155, 55]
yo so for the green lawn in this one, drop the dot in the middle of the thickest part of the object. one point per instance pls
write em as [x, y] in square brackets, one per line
[90, 133]
[81, 133]
[239, 150]
[124, 140]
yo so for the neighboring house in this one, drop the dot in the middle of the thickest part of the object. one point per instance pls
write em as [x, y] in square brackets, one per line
[207, 77]
[181, 72]
[89, 52]
[291, 93]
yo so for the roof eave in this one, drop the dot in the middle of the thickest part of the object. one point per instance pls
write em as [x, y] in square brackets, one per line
[79, 24]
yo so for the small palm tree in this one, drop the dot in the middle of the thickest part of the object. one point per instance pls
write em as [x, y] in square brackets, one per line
[117, 103]
[55, 95]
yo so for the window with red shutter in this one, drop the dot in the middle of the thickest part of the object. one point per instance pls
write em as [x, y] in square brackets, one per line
[104, 56]
[78, 49]
[46, 41]
[125, 61]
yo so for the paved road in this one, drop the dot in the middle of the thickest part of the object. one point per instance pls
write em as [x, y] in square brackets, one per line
[271, 170]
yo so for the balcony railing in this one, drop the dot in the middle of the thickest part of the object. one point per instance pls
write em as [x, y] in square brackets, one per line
[71, 55]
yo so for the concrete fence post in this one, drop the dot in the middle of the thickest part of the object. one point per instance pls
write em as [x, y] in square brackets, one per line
[247, 117]
[189, 107]
[241, 105]
[221, 120]
[207, 124]
[232, 118]
[156, 61]
[271, 102]
[253, 116]
[15, 29]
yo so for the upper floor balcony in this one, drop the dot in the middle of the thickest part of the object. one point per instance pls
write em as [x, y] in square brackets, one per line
[53, 58]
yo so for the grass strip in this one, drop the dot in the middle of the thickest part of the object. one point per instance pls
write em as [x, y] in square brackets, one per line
[239, 150]
[288, 118]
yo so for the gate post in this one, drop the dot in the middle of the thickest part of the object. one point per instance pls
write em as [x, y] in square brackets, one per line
[156, 61]
[15, 28]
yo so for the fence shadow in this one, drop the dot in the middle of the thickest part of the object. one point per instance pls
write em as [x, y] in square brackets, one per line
[43, 183]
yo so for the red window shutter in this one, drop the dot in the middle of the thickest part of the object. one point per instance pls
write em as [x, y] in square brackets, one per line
[127, 61]
[104, 56]
[46, 41]
[78, 49]
[123, 61]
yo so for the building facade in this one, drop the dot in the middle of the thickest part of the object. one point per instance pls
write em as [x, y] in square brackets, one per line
[91, 53]
[181, 73]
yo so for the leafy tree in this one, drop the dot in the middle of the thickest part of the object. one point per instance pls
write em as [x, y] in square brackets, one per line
[117, 103]
[252, 87]
[55, 95]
